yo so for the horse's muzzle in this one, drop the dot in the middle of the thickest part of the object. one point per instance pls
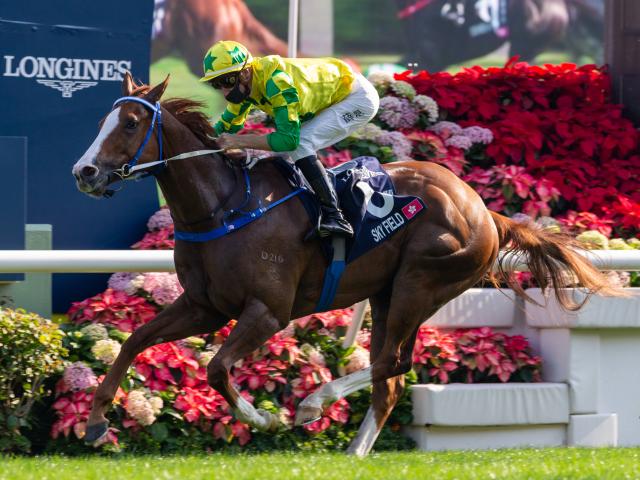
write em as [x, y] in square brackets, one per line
[94, 186]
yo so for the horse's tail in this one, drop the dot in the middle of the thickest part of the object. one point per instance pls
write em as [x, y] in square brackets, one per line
[552, 259]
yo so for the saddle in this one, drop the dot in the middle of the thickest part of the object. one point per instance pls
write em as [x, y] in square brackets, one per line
[369, 203]
[368, 200]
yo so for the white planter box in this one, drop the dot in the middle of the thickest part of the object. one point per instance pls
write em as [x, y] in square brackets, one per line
[598, 312]
[484, 438]
[478, 307]
[599, 430]
[484, 404]
[490, 415]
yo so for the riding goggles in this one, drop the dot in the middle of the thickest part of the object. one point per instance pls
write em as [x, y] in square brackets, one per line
[229, 80]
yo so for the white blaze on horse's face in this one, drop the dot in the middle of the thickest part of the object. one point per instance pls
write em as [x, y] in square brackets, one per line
[85, 170]
[110, 124]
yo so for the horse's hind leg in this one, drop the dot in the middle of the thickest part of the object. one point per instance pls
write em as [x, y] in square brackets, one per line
[386, 393]
[410, 307]
[179, 320]
[393, 341]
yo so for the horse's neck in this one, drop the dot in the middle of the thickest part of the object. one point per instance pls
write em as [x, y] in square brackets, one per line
[193, 187]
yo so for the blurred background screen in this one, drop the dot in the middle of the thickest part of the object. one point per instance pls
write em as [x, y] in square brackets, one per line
[393, 35]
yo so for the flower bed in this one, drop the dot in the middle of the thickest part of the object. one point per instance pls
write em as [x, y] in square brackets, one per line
[165, 404]
[560, 147]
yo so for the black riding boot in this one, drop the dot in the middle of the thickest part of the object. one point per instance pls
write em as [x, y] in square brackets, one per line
[331, 220]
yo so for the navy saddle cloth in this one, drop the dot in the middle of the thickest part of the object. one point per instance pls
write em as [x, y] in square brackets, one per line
[368, 200]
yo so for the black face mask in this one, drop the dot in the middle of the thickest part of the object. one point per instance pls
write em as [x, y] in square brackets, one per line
[236, 95]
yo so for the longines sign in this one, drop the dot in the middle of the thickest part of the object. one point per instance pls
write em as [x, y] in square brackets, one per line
[65, 74]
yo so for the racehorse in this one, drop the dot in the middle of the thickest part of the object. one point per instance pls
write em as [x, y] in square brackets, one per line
[446, 32]
[439, 255]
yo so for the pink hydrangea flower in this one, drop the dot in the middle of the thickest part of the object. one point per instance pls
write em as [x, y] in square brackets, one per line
[459, 141]
[79, 377]
[478, 134]
[164, 287]
[159, 220]
[398, 112]
[400, 144]
[446, 129]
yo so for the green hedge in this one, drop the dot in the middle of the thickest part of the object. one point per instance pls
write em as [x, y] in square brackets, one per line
[30, 351]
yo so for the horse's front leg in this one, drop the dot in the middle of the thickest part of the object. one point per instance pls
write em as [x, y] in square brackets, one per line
[255, 326]
[177, 321]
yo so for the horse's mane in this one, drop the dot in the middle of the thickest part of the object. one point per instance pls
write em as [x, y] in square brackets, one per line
[189, 113]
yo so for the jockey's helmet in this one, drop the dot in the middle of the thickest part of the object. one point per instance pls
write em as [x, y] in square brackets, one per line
[223, 57]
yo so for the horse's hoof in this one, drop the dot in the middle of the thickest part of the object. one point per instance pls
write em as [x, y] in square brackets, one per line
[96, 432]
[356, 450]
[307, 415]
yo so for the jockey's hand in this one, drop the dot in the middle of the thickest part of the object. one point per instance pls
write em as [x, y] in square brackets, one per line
[227, 141]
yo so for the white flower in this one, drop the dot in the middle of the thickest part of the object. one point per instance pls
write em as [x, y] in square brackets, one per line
[95, 332]
[369, 131]
[313, 355]
[106, 351]
[139, 408]
[403, 89]
[156, 404]
[204, 358]
[137, 282]
[358, 359]
[380, 79]
[427, 105]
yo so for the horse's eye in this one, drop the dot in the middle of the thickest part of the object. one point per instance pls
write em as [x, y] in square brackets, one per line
[131, 125]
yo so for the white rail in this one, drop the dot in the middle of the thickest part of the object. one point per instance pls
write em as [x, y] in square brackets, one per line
[86, 261]
[108, 261]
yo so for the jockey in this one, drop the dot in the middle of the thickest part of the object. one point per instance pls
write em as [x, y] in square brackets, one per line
[314, 103]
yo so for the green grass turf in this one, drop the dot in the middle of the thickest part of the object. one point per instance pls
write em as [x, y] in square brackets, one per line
[559, 463]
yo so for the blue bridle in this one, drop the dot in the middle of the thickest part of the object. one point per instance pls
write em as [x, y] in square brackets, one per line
[126, 169]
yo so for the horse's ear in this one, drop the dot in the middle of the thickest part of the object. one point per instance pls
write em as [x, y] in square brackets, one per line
[127, 85]
[156, 92]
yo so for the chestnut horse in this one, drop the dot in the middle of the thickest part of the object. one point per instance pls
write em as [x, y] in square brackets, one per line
[439, 255]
